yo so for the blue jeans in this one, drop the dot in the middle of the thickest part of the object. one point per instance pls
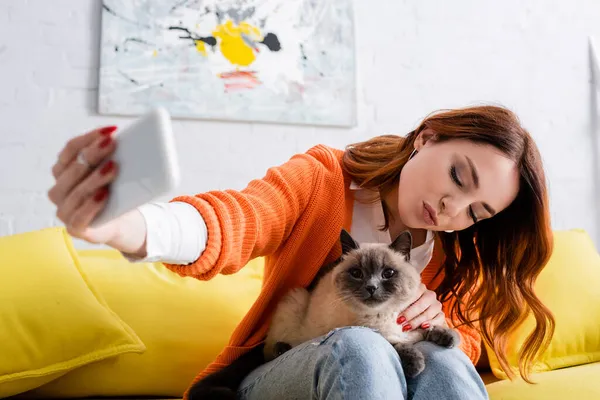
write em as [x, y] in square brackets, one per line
[358, 363]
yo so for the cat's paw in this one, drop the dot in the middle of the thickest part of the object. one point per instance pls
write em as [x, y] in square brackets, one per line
[281, 347]
[442, 336]
[274, 350]
[213, 393]
[412, 360]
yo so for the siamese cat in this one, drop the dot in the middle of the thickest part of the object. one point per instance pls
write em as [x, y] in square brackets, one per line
[370, 285]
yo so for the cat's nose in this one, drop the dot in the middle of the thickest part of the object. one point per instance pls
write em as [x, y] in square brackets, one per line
[371, 288]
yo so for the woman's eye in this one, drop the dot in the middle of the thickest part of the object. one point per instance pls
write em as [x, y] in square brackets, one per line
[472, 215]
[388, 273]
[456, 180]
[454, 176]
[356, 273]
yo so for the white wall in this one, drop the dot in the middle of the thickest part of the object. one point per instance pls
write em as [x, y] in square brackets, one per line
[413, 57]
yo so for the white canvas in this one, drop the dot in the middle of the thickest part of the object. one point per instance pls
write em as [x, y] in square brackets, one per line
[286, 61]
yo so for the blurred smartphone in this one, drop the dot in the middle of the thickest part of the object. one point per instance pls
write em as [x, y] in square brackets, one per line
[148, 165]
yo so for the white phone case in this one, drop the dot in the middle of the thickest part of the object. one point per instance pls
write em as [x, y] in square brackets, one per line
[148, 166]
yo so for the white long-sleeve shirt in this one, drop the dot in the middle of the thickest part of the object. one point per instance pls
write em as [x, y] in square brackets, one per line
[177, 234]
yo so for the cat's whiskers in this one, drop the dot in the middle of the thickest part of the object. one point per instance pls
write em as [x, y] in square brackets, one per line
[337, 302]
[340, 301]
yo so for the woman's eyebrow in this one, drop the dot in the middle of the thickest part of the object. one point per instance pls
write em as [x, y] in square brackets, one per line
[474, 173]
[475, 177]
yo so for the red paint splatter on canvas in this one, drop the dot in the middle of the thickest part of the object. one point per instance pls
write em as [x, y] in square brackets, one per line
[239, 80]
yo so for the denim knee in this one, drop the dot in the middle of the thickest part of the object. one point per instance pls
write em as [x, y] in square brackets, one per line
[347, 363]
[356, 338]
[361, 364]
[361, 343]
[448, 371]
[447, 362]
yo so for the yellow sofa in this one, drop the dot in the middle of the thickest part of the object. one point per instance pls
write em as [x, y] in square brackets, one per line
[578, 383]
[160, 329]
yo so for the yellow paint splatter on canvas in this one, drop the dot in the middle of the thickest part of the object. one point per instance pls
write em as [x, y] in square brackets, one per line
[233, 46]
[201, 47]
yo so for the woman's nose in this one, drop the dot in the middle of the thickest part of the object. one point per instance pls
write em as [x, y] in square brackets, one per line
[451, 206]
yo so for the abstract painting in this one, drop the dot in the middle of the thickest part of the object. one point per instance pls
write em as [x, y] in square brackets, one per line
[282, 61]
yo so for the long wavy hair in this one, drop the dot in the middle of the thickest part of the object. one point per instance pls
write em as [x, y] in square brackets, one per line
[490, 268]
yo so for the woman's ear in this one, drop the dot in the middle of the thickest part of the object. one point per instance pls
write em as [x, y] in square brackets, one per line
[423, 137]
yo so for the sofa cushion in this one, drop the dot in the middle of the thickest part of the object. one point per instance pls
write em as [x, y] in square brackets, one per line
[569, 286]
[52, 320]
[579, 382]
[184, 323]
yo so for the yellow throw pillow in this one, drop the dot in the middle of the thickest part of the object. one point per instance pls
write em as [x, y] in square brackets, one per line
[569, 286]
[184, 323]
[51, 319]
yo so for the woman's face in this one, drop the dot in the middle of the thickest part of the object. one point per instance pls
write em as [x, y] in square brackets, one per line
[453, 184]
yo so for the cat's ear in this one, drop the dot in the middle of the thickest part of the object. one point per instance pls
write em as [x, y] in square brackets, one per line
[403, 244]
[348, 244]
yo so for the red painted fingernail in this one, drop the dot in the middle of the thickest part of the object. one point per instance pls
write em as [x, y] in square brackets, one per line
[401, 319]
[108, 130]
[425, 325]
[406, 328]
[105, 142]
[101, 195]
[107, 167]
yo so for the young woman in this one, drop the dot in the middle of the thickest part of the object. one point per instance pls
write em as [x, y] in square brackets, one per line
[467, 183]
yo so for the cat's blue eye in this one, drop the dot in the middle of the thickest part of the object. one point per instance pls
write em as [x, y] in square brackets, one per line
[356, 273]
[388, 273]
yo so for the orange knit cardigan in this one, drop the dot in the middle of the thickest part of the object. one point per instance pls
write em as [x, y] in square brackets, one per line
[292, 217]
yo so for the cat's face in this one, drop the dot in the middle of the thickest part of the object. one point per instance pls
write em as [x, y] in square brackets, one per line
[375, 275]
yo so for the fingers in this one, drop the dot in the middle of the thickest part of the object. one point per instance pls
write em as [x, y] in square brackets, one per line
[438, 320]
[425, 317]
[69, 210]
[422, 303]
[91, 206]
[422, 310]
[75, 145]
[422, 289]
[74, 173]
